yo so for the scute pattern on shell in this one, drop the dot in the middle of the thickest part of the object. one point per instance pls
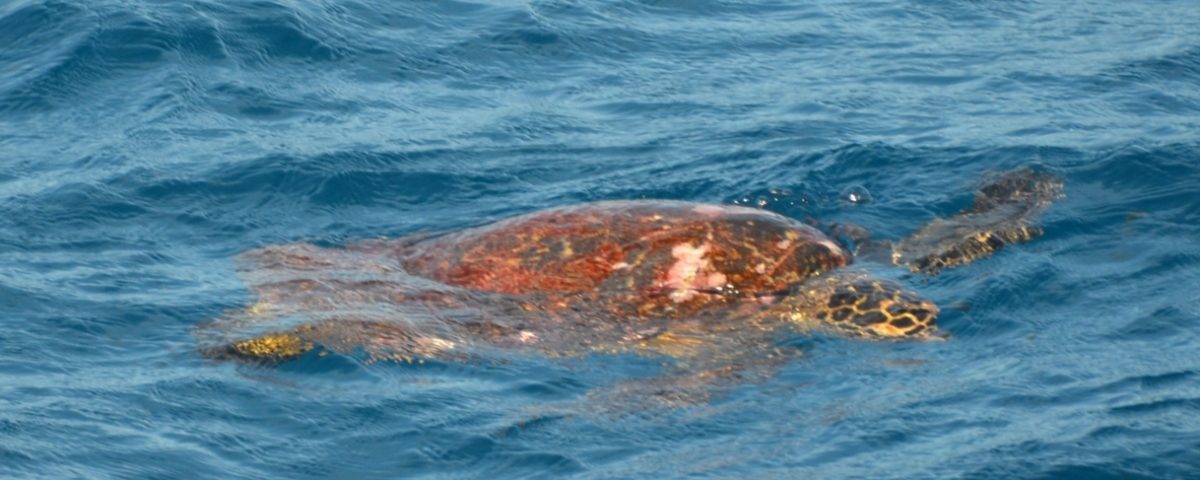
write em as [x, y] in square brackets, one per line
[633, 258]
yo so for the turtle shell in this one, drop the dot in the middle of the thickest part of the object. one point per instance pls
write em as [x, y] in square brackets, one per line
[630, 258]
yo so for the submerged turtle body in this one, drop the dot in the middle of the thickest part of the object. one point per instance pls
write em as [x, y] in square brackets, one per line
[709, 283]
[663, 277]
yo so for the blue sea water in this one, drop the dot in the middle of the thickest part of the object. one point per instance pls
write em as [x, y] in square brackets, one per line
[145, 143]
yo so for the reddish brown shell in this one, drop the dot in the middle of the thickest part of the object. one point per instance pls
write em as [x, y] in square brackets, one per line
[630, 258]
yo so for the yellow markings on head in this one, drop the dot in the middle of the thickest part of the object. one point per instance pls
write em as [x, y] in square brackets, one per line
[872, 309]
[887, 330]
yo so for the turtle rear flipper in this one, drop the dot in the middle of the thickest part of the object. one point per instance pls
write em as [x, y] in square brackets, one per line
[1003, 213]
[270, 349]
[378, 340]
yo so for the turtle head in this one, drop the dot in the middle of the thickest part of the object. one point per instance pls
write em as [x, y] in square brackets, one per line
[865, 307]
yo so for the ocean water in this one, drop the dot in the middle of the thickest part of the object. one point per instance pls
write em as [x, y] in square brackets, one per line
[145, 143]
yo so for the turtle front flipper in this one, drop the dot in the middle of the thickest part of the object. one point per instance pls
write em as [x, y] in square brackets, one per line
[1003, 213]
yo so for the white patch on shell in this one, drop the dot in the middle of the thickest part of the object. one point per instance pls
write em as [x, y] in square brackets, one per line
[620, 266]
[691, 272]
[437, 343]
[784, 244]
[761, 268]
[527, 336]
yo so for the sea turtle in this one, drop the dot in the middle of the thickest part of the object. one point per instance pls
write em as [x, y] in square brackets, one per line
[710, 286]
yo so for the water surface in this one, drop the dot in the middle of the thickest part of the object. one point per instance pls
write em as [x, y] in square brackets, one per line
[143, 144]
